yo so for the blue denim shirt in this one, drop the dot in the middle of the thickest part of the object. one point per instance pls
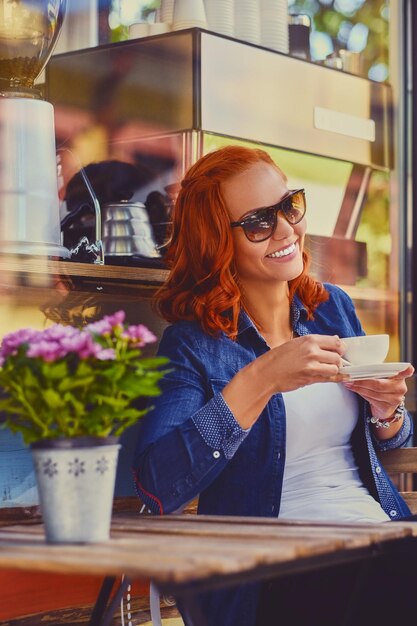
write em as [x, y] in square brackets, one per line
[190, 444]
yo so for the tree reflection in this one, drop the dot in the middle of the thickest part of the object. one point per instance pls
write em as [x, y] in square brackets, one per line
[349, 24]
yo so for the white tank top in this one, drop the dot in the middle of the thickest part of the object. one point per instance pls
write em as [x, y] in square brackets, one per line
[321, 478]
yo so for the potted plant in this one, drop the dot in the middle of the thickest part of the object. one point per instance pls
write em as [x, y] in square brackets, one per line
[71, 392]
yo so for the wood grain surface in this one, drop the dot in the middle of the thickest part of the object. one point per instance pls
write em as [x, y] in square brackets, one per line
[174, 550]
[56, 584]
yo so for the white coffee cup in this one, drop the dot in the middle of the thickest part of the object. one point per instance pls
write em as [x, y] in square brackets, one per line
[157, 28]
[139, 29]
[366, 349]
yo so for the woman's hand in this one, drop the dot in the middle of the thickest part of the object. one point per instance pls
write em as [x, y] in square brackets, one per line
[384, 395]
[306, 360]
[296, 363]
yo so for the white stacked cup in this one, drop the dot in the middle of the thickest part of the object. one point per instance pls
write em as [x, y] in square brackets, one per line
[189, 14]
[158, 28]
[274, 24]
[248, 21]
[220, 16]
[139, 29]
[166, 11]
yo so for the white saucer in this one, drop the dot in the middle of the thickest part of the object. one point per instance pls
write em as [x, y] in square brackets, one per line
[373, 370]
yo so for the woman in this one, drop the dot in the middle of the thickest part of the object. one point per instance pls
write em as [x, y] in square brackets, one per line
[255, 417]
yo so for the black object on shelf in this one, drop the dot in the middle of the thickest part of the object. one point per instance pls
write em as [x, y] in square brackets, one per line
[299, 36]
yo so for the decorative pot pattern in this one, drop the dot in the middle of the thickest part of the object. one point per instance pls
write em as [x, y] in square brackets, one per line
[75, 467]
[76, 489]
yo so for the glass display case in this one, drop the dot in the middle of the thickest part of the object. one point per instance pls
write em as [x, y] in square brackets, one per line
[135, 115]
[160, 102]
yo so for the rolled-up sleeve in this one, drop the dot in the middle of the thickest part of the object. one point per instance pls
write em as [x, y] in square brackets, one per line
[218, 427]
[400, 439]
[187, 438]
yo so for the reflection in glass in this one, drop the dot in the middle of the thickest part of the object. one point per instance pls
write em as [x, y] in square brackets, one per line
[28, 32]
[349, 232]
[353, 25]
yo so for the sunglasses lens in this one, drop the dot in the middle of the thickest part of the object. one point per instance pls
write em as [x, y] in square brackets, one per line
[295, 208]
[261, 225]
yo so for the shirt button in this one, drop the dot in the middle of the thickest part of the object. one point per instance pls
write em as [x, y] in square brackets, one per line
[378, 469]
[393, 513]
[216, 454]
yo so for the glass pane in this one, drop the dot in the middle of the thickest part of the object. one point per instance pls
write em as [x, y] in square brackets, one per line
[37, 300]
[119, 114]
[350, 240]
[125, 12]
[355, 25]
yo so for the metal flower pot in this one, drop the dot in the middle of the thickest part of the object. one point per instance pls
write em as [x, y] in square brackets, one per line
[76, 479]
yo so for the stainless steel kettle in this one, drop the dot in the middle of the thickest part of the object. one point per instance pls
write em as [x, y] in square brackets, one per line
[127, 230]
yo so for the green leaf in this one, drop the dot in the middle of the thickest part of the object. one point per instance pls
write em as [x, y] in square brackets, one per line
[30, 380]
[133, 413]
[55, 371]
[128, 420]
[9, 405]
[153, 362]
[74, 383]
[27, 432]
[115, 372]
[78, 406]
[114, 402]
[84, 369]
[72, 397]
[52, 398]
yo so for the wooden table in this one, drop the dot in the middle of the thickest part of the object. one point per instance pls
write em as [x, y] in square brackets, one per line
[187, 554]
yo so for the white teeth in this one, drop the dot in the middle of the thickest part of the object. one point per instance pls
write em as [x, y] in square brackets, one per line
[284, 252]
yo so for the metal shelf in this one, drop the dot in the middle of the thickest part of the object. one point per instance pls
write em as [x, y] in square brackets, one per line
[198, 80]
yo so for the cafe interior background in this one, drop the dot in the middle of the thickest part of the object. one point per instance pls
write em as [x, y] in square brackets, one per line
[328, 93]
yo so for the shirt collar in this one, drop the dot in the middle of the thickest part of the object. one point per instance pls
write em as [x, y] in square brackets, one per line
[244, 322]
[298, 310]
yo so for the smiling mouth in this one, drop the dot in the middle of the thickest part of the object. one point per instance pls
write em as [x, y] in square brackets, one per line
[284, 252]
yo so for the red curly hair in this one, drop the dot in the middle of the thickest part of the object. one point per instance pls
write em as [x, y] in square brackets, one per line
[203, 284]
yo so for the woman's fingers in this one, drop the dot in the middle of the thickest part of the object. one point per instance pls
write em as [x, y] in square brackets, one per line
[380, 385]
[409, 371]
[321, 348]
[323, 358]
[384, 395]
[329, 343]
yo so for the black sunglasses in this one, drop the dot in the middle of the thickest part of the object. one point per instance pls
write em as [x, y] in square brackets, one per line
[261, 224]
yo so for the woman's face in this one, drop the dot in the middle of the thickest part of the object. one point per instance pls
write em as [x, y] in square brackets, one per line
[261, 185]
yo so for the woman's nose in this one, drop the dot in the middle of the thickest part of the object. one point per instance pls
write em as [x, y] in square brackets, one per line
[283, 228]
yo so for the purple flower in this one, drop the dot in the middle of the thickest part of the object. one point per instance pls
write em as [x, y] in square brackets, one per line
[117, 319]
[58, 332]
[106, 354]
[102, 327]
[46, 350]
[63, 359]
[59, 341]
[81, 344]
[140, 335]
[107, 324]
[13, 341]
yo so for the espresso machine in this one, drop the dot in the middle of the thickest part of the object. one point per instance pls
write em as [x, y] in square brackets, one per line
[29, 203]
